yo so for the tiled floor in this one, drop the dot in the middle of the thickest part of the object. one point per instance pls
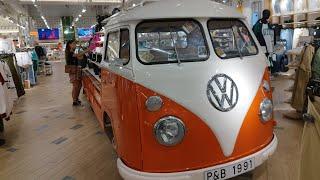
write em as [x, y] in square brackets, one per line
[49, 139]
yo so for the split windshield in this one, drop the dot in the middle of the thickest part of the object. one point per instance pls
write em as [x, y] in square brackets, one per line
[231, 38]
[177, 41]
[170, 41]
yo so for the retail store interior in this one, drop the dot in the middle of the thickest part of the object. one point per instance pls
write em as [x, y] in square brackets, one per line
[159, 89]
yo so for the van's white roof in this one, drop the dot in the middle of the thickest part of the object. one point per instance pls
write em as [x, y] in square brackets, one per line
[163, 9]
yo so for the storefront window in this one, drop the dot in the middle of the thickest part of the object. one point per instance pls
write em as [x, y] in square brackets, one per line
[231, 38]
[170, 41]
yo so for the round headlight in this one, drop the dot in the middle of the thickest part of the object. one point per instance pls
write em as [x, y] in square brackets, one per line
[169, 131]
[266, 110]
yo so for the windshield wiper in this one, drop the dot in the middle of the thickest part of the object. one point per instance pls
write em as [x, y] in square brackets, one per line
[175, 46]
[234, 31]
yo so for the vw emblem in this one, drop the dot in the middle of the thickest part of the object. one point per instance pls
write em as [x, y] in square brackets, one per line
[222, 92]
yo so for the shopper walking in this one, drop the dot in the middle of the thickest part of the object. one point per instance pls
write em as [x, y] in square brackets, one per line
[74, 69]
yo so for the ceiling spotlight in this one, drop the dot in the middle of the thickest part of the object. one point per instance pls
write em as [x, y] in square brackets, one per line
[35, 5]
[80, 15]
[84, 10]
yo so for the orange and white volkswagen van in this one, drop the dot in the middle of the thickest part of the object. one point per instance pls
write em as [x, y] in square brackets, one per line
[186, 91]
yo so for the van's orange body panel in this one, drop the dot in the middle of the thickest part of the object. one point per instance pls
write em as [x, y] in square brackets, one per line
[119, 100]
[124, 102]
[92, 89]
[200, 147]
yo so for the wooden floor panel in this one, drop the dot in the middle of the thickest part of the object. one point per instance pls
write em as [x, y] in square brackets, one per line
[44, 115]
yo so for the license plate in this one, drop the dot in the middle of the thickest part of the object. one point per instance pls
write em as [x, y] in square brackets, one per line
[230, 171]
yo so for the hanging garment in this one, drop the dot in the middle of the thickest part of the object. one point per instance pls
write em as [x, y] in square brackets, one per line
[22, 73]
[276, 6]
[268, 35]
[277, 31]
[35, 60]
[31, 76]
[94, 42]
[9, 93]
[287, 35]
[7, 46]
[296, 35]
[23, 59]
[303, 75]
[3, 101]
[12, 93]
[316, 33]
[286, 6]
[310, 145]
[314, 4]
[16, 77]
[255, 17]
[4, 92]
[40, 51]
[300, 5]
[316, 65]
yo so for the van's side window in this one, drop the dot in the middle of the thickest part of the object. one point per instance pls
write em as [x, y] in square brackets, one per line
[124, 45]
[113, 46]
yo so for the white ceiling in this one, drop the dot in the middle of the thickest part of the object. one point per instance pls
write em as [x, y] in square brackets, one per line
[53, 10]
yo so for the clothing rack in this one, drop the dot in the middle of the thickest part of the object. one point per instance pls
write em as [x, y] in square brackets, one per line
[5, 55]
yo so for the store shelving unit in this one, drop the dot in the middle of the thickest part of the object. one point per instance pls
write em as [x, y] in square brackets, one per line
[299, 19]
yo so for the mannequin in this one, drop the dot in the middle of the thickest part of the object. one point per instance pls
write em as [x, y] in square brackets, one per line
[265, 34]
[260, 25]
